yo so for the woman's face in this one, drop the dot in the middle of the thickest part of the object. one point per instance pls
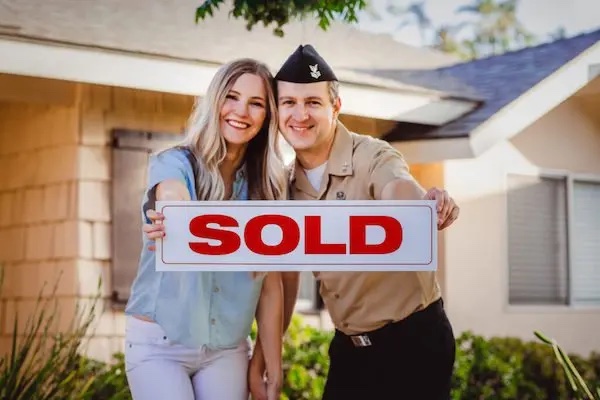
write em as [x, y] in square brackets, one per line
[244, 110]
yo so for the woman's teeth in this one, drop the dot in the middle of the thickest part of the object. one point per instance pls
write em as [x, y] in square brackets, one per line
[237, 124]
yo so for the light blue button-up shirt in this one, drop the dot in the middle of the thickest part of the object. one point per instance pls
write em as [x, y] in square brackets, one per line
[196, 309]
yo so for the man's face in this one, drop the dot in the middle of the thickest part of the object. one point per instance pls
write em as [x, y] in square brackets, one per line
[306, 114]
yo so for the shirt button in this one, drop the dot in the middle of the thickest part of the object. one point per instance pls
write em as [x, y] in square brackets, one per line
[345, 324]
[337, 296]
[216, 289]
[212, 321]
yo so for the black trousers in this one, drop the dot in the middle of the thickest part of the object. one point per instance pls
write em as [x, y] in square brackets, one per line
[411, 359]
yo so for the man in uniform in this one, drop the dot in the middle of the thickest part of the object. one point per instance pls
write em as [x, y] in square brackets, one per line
[393, 339]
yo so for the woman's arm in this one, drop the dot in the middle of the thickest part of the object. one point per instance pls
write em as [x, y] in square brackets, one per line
[172, 189]
[269, 317]
[167, 190]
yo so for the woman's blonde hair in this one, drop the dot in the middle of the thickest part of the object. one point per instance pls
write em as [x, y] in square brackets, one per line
[263, 161]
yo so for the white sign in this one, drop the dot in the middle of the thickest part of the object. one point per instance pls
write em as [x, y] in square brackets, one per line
[298, 236]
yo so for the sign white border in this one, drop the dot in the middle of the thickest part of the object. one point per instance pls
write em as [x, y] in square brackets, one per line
[164, 259]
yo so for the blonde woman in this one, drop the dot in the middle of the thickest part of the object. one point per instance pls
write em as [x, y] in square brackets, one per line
[187, 332]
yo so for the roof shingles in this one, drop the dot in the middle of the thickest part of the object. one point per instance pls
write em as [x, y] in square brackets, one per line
[497, 80]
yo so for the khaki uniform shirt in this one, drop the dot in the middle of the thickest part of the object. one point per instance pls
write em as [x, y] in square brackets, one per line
[358, 168]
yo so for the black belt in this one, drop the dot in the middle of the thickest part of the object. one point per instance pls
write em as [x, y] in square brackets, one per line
[432, 311]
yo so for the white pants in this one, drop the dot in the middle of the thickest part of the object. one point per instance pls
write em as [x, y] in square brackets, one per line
[158, 369]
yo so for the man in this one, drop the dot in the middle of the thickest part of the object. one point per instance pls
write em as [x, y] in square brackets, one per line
[393, 339]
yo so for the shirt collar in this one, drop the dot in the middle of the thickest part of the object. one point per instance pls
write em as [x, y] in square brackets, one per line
[339, 162]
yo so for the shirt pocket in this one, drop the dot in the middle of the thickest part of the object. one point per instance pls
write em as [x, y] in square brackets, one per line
[338, 188]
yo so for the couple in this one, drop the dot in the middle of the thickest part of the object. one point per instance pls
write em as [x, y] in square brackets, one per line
[187, 332]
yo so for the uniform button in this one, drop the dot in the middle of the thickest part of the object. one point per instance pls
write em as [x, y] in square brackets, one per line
[216, 289]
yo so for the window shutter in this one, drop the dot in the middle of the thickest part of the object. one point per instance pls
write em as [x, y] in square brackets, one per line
[585, 243]
[131, 150]
[537, 240]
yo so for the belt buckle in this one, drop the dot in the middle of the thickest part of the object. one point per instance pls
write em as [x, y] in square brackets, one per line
[361, 340]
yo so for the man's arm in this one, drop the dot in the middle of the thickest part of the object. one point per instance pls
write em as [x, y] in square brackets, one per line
[291, 284]
[391, 180]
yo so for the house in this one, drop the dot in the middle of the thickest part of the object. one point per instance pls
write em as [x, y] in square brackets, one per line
[88, 89]
[525, 169]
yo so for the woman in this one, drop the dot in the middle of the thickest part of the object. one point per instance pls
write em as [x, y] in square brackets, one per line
[187, 332]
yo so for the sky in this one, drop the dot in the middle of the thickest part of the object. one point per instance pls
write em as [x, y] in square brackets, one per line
[540, 16]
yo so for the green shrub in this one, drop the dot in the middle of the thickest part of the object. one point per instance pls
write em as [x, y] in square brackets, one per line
[509, 368]
[494, 368]
[43, 364]
[108, 381]
[305, 361]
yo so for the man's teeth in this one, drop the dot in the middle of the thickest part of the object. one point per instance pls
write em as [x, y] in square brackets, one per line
[237, 124]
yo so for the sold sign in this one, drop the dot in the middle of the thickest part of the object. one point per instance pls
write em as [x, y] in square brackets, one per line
[298, 236]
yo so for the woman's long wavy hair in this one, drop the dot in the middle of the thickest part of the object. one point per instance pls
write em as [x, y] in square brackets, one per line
[263, 161]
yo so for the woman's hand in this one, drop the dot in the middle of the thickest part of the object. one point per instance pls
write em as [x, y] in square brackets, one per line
[269, 344]
[156, 229]
[167, 190]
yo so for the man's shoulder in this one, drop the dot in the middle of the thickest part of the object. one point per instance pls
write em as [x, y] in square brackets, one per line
[369, 147]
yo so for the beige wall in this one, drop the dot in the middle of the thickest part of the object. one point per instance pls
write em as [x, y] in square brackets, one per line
[566, 139]
[55, 171]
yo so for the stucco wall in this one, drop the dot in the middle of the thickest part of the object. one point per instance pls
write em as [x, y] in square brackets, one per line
[476, 247]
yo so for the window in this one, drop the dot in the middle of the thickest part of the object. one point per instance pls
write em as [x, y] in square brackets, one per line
[553, 240]
[309, 299]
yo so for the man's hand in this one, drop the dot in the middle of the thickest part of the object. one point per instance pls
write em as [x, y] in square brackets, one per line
[273, 388]
[155, 230]
[256, 380]
[446, 207]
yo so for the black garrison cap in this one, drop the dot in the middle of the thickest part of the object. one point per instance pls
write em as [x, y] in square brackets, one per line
[305, 65]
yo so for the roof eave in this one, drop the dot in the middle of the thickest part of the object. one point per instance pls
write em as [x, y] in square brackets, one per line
[538, 101]
[191, 77]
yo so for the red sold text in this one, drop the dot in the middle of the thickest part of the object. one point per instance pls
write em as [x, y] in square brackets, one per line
[231, 241]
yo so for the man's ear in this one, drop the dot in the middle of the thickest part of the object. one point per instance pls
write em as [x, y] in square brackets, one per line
[337, 106]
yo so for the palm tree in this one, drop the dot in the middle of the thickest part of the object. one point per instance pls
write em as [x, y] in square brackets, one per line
[497, 28]
[414, 13]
